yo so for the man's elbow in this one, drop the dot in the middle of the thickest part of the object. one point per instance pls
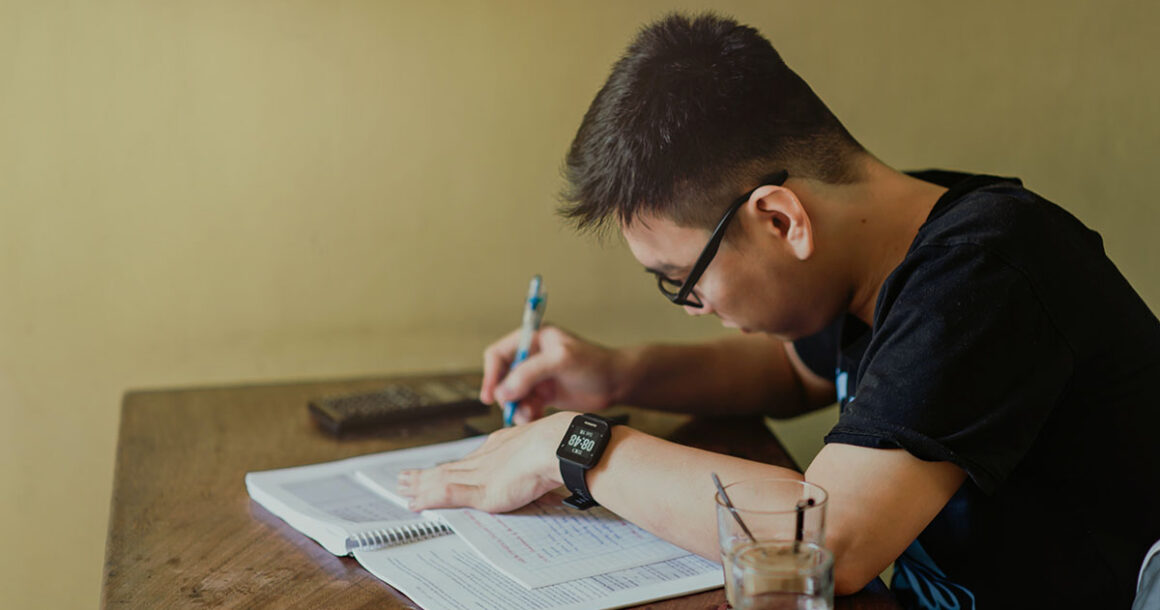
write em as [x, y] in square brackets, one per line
[850, 578]
[854, 568]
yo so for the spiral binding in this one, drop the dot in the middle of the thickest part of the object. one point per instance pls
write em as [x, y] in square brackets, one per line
[398, 535]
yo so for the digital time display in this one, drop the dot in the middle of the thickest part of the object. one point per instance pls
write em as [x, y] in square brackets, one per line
[577, 441]
[583, 443]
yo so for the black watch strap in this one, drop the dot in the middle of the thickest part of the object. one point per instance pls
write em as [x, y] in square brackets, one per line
[575, 482]
[574, 474]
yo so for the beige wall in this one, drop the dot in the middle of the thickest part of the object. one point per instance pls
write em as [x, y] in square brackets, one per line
[208, 192]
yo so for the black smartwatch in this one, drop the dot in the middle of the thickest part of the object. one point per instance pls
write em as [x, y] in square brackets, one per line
[579, 451]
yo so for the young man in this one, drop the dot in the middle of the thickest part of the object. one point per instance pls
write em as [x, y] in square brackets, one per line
[993, 367]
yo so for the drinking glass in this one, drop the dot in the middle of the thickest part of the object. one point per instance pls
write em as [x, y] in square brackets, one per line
[774, 510]
[782, 575]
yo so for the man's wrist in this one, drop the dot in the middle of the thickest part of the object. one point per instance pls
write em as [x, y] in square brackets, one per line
[556, 426]
[624, 373]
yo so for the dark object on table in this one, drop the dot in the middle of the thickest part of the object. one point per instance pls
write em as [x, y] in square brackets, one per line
[394, 404]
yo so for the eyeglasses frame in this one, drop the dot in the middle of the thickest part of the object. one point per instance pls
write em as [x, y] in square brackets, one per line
[685, 297]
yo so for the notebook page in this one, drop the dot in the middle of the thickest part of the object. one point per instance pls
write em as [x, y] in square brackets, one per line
[341, 496]
[545, 542]
[328, 503]
[444, 574]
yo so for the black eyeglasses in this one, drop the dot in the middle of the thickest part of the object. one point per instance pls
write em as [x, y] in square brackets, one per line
[681, 293]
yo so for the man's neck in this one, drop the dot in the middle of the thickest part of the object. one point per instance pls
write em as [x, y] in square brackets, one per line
[875, 221]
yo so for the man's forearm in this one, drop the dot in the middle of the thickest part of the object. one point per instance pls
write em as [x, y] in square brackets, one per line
[666, 488]
[735, 375]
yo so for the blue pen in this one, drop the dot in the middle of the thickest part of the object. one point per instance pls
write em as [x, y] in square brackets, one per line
[533, 313]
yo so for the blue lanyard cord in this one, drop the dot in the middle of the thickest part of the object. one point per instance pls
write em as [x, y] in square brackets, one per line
[919, 583]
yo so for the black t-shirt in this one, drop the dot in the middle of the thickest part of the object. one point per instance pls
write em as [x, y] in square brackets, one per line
[1007, 343]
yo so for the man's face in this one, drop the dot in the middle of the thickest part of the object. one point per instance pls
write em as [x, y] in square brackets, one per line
[749, 285]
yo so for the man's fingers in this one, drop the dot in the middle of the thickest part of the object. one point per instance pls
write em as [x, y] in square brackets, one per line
[452, 495]
[517, 386]
[528, 412]
[445, 486]
[534, 404]
[505, 473]
[408, 479]
[545, 393]
[497, 359]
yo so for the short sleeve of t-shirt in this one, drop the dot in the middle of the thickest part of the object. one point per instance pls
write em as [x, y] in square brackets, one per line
[964, 364]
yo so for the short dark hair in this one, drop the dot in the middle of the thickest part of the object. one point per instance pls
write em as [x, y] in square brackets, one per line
[694, 109]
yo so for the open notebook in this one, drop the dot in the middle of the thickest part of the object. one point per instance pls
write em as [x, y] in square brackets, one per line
[544, 555]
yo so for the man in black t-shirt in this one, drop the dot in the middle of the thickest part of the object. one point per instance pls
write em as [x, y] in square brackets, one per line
[991, 363]
[1035, 349]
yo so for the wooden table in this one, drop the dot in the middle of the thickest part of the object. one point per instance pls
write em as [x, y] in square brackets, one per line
[184, 533]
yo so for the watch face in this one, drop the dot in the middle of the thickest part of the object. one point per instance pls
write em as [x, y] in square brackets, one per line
[584, 442]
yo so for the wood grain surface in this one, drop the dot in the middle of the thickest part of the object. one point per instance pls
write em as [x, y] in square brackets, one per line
[184, 533]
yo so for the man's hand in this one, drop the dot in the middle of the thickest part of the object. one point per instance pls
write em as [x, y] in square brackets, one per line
[513, 467]
[562, 370]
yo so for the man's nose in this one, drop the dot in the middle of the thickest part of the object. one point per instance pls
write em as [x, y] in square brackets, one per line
[704, 309]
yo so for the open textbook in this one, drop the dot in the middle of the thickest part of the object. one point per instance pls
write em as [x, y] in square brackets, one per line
[543, 556]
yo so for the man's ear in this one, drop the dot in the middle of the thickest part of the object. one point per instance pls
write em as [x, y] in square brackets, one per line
[782, 213]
